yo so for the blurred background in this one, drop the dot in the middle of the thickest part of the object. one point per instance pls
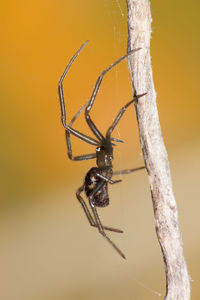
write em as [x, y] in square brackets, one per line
[48, 250]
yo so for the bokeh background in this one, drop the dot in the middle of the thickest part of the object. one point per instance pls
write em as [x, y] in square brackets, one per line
[48, 251]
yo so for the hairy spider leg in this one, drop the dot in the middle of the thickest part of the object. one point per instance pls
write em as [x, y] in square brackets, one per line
[91, 124]
[88, 214]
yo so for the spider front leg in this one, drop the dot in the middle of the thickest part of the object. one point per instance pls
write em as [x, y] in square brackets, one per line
[63, 116]
[60, 85]
[120, 114]
[91, 124]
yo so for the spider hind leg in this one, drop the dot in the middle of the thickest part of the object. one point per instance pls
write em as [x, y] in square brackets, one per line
[101, 230]
[88, 214]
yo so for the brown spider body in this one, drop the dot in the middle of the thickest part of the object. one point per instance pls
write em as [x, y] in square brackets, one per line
[101, 198]
[96, 176]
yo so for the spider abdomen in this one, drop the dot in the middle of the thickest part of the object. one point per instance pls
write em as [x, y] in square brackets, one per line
[101, 198]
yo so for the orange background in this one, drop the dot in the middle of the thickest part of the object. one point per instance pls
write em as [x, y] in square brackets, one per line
[48, 251]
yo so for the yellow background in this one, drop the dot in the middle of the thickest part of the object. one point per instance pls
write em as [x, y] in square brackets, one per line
[48, 251]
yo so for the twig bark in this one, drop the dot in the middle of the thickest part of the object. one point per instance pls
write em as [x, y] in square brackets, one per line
[155, 155]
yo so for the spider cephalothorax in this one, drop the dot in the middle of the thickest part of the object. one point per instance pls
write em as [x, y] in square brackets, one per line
[104, 156]
[96, 181]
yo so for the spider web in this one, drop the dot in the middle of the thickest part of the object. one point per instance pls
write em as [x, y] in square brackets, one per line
[118, 4]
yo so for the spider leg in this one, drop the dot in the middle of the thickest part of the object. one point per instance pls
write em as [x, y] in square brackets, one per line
[91, 124]
[63, 111]
[101, 229]
[120, 114]
[128, 171]
[63, 116]
[83, 137]
[88, 214]
[86, 139]
[77, 114]
[108, 179]
[98, 221]
[60, 85]
[85, 208]
[117, 140]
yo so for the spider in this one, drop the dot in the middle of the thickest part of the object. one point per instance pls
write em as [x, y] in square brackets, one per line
[96, 181]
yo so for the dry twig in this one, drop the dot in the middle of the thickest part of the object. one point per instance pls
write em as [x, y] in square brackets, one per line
[155, 155]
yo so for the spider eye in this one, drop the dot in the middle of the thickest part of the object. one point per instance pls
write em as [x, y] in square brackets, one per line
[98, 149]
